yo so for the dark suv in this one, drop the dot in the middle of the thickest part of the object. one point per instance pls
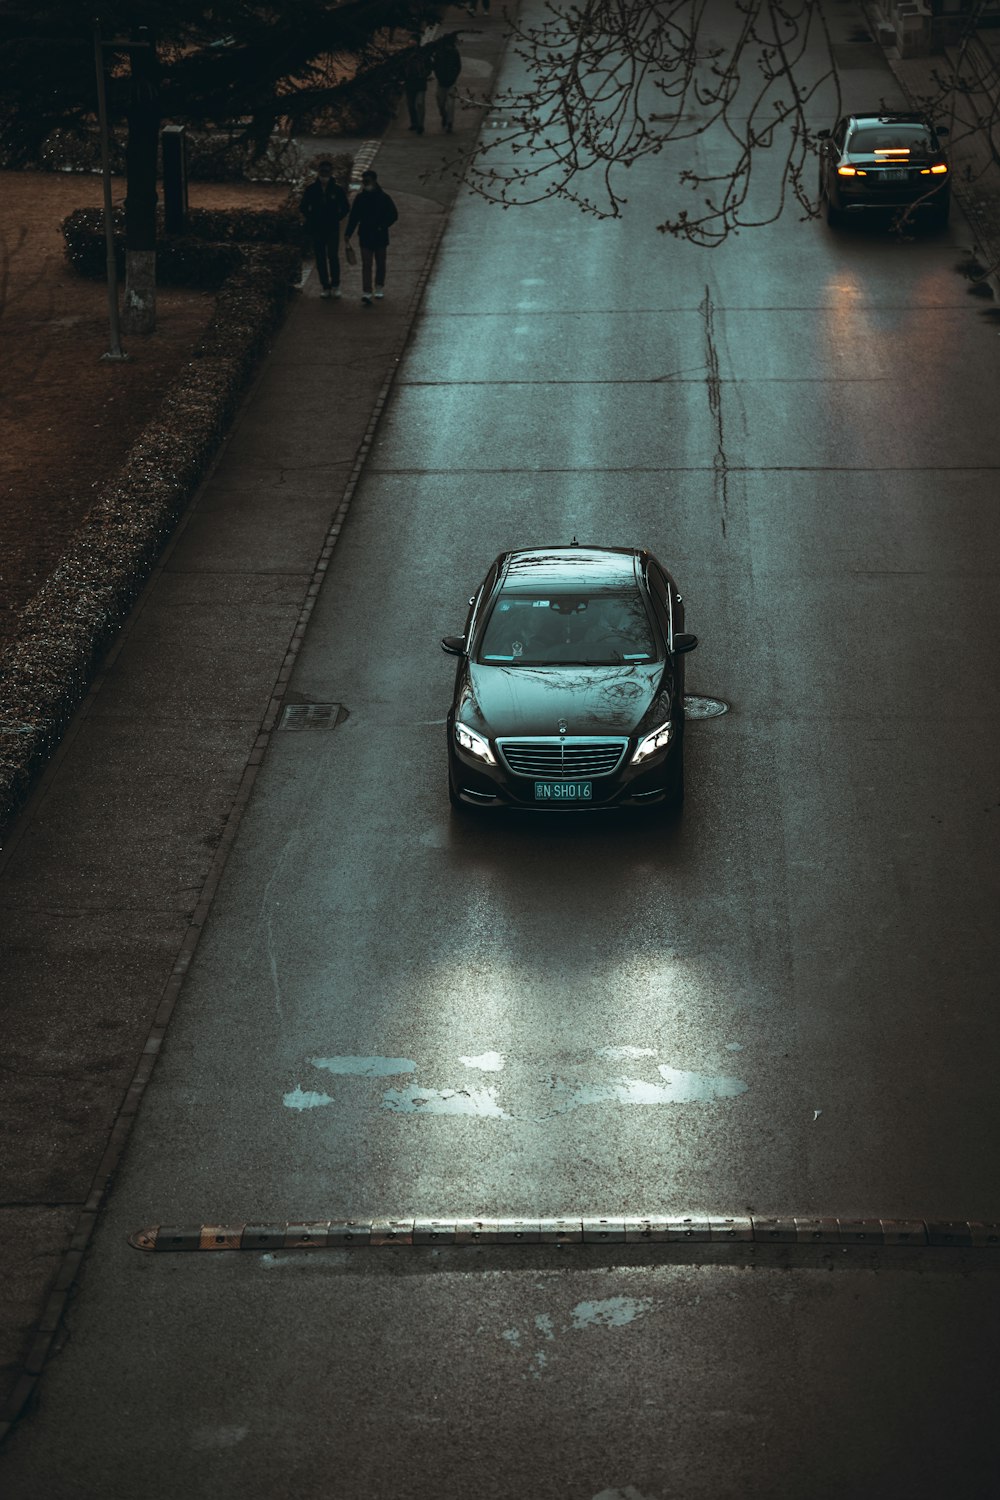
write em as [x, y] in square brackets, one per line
[889, 161]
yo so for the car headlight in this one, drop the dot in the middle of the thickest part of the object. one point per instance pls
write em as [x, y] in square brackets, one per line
[474, 744]
[657, 739]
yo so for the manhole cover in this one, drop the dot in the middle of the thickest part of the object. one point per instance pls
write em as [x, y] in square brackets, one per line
[704, 708]
[312, 715]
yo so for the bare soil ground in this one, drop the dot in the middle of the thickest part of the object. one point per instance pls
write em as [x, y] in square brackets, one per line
[67, 417]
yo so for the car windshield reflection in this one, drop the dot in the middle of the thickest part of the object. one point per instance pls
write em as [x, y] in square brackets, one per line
[568, 629]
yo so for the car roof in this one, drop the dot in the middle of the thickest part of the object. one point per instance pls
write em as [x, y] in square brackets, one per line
[571, 567]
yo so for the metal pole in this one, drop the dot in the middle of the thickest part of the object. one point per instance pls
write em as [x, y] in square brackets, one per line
[116, 352]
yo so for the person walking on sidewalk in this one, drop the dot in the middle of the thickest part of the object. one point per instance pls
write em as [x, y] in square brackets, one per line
[372, 215]
[447, 67]
[323, 205]
[418, 70]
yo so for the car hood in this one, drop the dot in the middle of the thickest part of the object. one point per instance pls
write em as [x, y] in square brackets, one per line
[589, 700]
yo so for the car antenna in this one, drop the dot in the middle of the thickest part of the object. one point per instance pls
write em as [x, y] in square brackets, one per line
[574, 543]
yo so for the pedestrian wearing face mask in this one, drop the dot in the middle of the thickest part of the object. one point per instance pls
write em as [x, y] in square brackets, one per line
[323, 205]
[372, 214]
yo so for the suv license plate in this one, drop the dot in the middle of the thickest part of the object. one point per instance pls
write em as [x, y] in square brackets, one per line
[563, 791]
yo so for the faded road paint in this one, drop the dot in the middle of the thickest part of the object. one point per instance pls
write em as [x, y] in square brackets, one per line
[678, 1087]
[415, 1100]
[487, 1062]
[300, 1099]
[610, 1312]
[365, 1067]
[613, 1053]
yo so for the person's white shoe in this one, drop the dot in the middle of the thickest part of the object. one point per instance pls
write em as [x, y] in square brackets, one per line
[337, 292]
[380, 291]
[325, 292]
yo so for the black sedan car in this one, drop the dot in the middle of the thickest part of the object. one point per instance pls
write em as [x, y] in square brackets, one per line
[569, 691]
[884, 161]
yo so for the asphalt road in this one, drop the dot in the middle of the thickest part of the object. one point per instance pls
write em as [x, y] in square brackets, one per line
[785, 1003]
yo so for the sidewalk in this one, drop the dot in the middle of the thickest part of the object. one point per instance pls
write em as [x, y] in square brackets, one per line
[107, 878]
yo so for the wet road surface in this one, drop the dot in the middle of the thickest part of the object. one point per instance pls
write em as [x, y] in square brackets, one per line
[782, 1003]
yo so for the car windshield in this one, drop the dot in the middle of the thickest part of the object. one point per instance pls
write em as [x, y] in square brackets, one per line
[877, 138]
[594, 629]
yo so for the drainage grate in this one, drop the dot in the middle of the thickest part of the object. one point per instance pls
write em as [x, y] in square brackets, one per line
[328, 1234]
[312, 715]
[704, 708]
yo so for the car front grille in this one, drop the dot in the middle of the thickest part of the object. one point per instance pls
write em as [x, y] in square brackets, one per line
[570, 757]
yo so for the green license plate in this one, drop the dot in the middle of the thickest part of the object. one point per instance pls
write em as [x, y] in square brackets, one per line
[563, 791]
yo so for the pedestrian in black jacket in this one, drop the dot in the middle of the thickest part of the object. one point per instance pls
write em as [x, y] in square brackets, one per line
[323, 205]
[447, 67]
[372, 214]
[415, 76]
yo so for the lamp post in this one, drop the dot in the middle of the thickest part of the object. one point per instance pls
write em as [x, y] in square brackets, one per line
[116, 352]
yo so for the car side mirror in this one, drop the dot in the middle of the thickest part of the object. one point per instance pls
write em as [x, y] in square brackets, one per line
[822, 135]
[684, 642]
[454, 645]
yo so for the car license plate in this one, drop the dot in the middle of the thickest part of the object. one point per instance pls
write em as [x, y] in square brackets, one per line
[894, 176]
[563, 791]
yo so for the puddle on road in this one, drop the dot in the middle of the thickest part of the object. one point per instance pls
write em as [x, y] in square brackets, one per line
[417, 1101]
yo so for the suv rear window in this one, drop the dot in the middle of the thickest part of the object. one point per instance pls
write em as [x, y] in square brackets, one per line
[874, 138]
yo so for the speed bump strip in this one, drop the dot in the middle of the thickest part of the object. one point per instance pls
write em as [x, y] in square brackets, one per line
[328, 1234]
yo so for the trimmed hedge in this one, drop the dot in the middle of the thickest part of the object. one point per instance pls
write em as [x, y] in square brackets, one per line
[62, 633]
[204, 257]
[213, 155]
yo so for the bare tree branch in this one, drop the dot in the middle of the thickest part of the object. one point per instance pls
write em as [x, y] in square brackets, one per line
[610, 82]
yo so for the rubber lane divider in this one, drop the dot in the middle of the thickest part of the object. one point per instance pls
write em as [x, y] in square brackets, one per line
[328, 1234]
